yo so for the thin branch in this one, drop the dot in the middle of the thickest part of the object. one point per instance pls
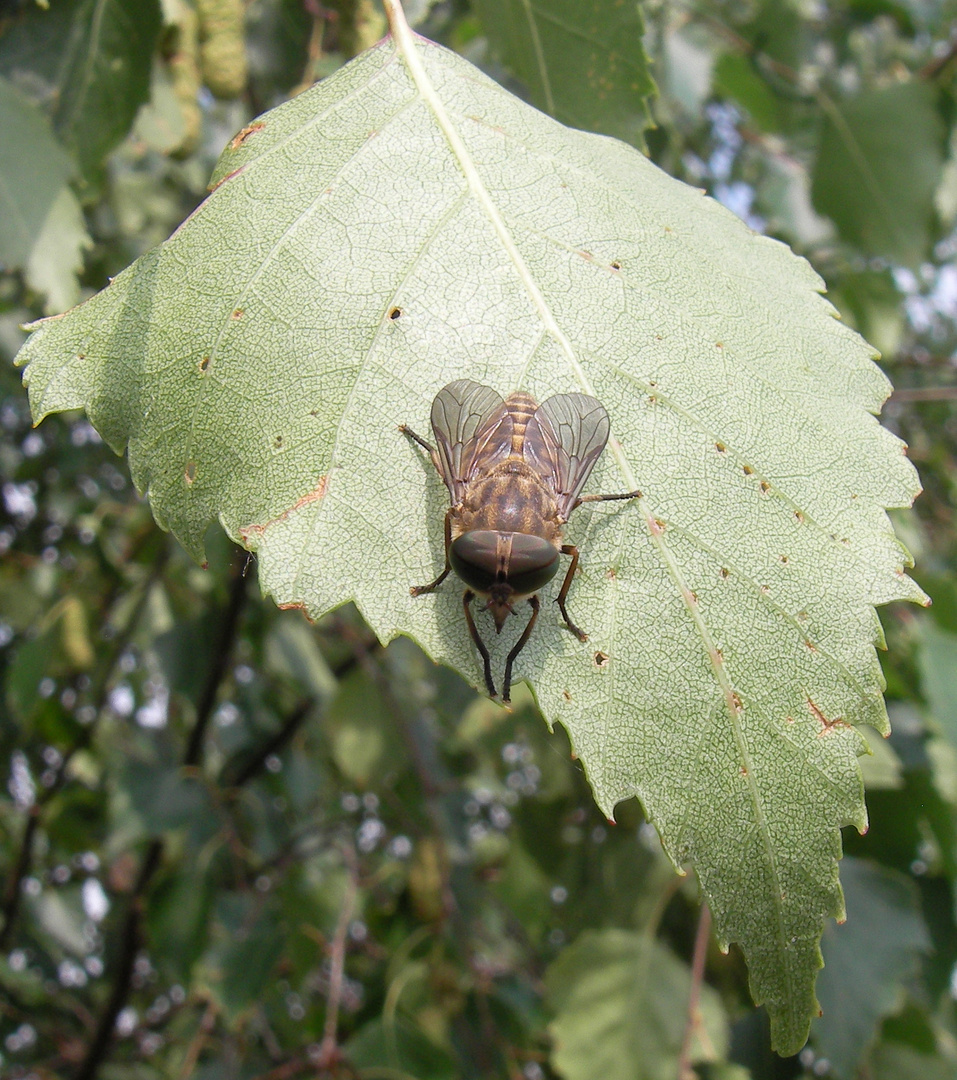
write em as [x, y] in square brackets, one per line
[693, 1023]
[924, 393]
[14, 890]
[220, 659]
[272, 745]
[329, 1049]
[98, 692]
[132, 934]
[130, 944]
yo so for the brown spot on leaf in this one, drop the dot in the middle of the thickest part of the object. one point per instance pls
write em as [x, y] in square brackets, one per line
[765, 486]
[748, 471]
[826, 724]
[395, 312]
[566, 695]
[601, 659]
[222, 180]
[720, 447]
[616, 265]
[238, 313]
[204, 363]
[242, 136]
[277, 442]
[190, 474]
[725, 572]
[315, 495]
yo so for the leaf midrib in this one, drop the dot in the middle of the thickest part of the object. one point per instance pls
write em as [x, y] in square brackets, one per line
[405, 44]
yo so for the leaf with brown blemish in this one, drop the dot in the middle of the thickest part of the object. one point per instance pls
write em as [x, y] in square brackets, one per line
[468, 232]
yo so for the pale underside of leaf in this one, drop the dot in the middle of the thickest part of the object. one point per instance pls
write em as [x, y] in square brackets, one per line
[408, 222]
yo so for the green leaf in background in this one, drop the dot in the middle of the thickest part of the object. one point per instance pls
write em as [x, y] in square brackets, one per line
[354, 258]
[584, 64]
[937, 660]
[620, 1001]
[88, 62]
[866, 961]
[878, 166]
[41, 224]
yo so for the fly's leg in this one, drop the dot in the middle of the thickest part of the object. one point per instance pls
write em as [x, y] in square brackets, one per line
[602, 498]
[418, 438]
[519, 645]
[417, 590]
[427, 446]
[570, 549]
[467, 599]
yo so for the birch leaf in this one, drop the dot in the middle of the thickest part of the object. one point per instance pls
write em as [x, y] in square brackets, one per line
[408, 222]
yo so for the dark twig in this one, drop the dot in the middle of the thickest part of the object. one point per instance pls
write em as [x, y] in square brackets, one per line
[130, 944]
[925, 393]
[329, 1049]
[221, 656]
[98, 692]
[693, 1023]
[272, 745]
[132, 934]
[14, 890]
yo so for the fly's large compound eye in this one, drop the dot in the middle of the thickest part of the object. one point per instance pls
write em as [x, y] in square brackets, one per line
[477, 559]
[532, 563]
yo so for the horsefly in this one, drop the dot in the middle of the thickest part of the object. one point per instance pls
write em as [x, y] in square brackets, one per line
[515, 471]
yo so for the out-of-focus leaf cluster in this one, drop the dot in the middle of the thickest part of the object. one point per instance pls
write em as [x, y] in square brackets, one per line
[232, 844]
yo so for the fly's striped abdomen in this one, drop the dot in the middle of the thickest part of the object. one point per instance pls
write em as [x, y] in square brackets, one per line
[520, 407]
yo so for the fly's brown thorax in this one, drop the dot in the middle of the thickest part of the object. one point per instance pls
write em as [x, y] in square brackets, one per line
[512, 498]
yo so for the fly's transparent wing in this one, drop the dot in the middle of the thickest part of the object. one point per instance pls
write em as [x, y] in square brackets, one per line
[473, 431]
[563, 440]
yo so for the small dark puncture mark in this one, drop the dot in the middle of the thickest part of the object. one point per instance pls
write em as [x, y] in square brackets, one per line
[601, 659]
[616, 265]
[395, 313]
[204, 364]
[238, 313]
[277, 442]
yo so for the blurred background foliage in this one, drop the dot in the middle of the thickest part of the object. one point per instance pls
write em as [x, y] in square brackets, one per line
[235, 845]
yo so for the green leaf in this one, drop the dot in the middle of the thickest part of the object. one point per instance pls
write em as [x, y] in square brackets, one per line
[937, 660]
[407, 222]
[893, 1061]
[736, 76]
[89, 63]
[866, 961]
[395, 1044]
[878, 167]
[34, 171]
[584, 64]
[56, 257]
[621, 1007]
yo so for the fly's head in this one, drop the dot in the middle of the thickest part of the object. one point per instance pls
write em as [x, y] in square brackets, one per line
[504, 566]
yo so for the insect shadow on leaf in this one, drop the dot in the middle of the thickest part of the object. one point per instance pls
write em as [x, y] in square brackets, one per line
[515, 471]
